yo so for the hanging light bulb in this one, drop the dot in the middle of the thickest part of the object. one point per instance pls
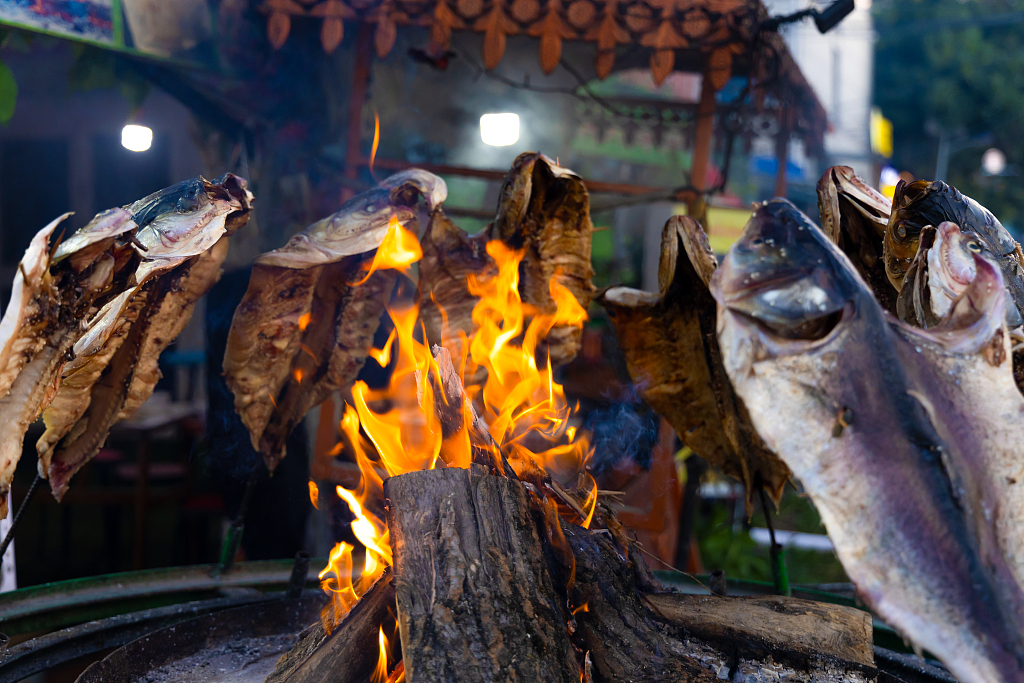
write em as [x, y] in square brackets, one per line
[499, 130]
[136, 138]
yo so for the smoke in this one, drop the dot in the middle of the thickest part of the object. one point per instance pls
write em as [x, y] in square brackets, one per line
[622, 430]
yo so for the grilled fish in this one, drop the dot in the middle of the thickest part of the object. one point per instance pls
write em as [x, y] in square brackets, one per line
[304, 327]
[855, 215]
[114, 369]
[673, 358]
[963, 375]
[922, 203]
[543, 208]
[52, 294]
[815, 360]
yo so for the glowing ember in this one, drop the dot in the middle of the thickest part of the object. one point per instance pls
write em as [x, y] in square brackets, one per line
[314, 494]
[304, 320]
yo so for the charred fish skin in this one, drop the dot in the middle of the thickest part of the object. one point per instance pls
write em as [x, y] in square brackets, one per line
[879, 483]
[673, 358]
[54, 298]
[282, 350]
[855, 216]
[922, 203]
[545, 209]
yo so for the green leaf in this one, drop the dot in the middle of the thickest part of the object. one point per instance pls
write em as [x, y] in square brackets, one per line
[8, 93]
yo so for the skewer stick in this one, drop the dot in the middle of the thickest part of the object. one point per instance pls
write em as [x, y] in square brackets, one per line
[233, 537]
[36, 483]
[780, 575]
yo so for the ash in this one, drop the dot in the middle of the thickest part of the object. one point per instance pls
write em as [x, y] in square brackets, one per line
[247, 660]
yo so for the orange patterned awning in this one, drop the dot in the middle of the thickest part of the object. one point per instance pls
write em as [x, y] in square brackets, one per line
[719, 38]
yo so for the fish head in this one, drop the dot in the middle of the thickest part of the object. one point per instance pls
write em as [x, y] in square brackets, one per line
[103, 226]
[842, 194]
[187, 218]
[910, 202]
[786, 275]
[404, 187]
[971, 312]
[358, 227]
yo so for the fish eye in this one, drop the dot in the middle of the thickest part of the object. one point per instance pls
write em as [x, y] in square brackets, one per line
[756, 242]
[901, 231]
[974, 246]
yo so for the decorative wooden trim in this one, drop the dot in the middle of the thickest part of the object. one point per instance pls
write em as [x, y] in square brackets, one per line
[720, 33]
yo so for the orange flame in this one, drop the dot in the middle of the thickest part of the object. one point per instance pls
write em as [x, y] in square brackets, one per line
[398, 675]
[304, 320]
[376, 140]
[343, 593]
[314, 494]
[380, 673]
[398, 250]
[522, 402]
[297, 374]
[525, 410]
[582, 608]
[383, 356]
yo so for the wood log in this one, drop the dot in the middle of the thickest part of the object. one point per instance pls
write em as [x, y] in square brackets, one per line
[349, 654]
[633, 636]
[475, 599]
[776, 623]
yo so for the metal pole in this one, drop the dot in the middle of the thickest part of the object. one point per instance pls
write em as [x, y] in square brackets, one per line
[36, 483]
[696, 208]
[360, 82]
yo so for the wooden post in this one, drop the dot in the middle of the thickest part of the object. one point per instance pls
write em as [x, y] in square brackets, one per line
[697, 207]
[360, 82]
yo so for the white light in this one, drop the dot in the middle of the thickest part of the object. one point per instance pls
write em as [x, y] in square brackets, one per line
[993, 161]
[136, 138]
[499, 130]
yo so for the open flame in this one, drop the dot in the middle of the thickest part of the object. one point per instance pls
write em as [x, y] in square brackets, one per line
[380, 673]
[397, 429]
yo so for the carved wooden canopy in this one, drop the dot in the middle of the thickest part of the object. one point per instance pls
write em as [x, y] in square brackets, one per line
[719, 38]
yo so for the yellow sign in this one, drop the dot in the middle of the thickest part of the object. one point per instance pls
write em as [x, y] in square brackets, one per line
[881, 133]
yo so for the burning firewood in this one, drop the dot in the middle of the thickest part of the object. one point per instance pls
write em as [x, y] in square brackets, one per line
[479, 595]
[308, 318]
[673, 357]
[346, 653]
[544, 210]
[174, 256]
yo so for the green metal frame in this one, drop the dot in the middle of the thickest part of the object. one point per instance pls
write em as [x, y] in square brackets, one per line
[65, 603]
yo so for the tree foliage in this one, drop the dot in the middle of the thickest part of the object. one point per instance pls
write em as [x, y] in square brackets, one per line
[956, 66]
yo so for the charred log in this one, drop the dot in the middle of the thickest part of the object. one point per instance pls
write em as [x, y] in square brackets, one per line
[475, 599]
[348, 654]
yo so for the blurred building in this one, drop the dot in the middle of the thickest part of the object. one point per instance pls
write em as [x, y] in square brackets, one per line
[840, 67]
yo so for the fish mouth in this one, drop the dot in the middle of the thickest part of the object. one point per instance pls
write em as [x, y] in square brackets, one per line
[811, 330]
